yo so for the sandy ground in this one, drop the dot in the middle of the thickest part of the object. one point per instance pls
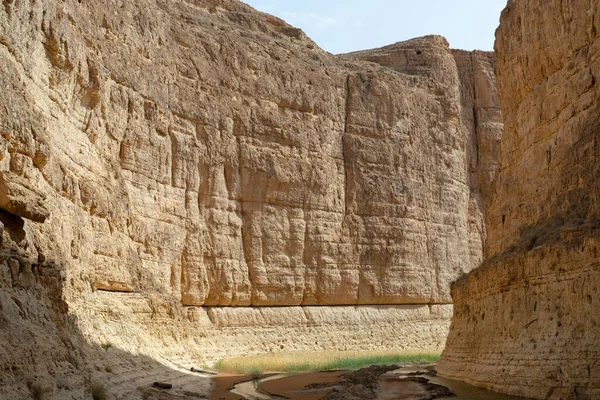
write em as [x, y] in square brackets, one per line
[185, 385]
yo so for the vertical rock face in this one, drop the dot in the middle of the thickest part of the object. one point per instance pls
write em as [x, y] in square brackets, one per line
[482, 119]
[413, 153]
[172, 171]
[526, 322]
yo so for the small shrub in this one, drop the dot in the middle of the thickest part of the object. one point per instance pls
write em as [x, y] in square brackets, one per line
[255, 373]
[98, 392]
[106, 345]
[219, 365]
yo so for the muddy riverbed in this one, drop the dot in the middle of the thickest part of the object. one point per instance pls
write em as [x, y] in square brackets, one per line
[375, 382]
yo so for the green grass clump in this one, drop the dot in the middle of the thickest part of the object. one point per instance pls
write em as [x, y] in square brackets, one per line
[255, 372]
[353, 363]
[219, 365]
[106, 345]
[319, 361]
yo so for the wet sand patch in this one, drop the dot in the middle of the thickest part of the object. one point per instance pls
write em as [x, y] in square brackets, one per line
[224, 384]
[375, 382]
[293, 386]
[372, 383]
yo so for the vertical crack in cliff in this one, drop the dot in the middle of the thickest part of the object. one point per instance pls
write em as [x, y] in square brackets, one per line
[173, 159]
[305, 259]
[344, 136]
[475, 118]
[244, 227]
[430, 256]
[309, 320]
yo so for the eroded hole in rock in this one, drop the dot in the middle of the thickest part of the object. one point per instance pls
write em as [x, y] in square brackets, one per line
[14, 225]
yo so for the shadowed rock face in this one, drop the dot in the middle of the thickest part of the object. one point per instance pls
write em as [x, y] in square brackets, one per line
[168, 161]
[526, 322]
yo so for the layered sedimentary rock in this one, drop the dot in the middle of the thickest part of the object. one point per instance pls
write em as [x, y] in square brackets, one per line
[526, 322]
[189, 179]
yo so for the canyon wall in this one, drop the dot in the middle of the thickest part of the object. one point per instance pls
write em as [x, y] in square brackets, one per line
[526, 322]
[185, 180]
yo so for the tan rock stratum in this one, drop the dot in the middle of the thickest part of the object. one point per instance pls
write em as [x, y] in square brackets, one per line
[528, 321]
[183, 180]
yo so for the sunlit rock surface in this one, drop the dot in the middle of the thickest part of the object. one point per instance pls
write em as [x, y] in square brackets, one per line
[185, 180]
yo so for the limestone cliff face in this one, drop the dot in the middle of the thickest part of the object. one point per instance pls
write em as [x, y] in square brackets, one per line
[483, 122]
[526, 322]
[162, 161]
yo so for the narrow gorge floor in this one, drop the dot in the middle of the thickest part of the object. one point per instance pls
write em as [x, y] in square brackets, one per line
[375, 382]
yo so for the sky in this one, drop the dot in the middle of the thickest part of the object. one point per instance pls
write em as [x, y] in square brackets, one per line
[341, 26]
